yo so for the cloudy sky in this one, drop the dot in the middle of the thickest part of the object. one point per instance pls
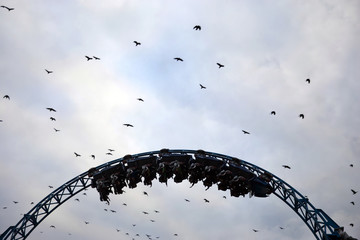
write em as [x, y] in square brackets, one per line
[268, 49]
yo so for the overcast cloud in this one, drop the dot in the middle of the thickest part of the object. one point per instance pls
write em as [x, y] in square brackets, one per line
[268, 48]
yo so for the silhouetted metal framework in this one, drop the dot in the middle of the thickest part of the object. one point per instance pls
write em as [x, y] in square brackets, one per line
[320, 224]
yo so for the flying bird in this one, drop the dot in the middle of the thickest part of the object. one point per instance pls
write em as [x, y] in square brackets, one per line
[245, 132]
[111, 150]
[207, 201]
[137, 43]
[76, 199]
[220, 65]
[145, 193]
[109, 153]
[202, 86]
[187, 200]
[152, 220]
[353, 203]
[51, 186]
[351, 165]
[15, 202]
[301, 116]
[128, 125]
[353, 191]
[179, 59]
[88, 58]
[197, 27]
[156, 211]
[273, 113]
[93, 156]
[52, 119]
[281, 228]
[286, 166]
[124, 204]
[51, 109]
[6, 97]
[52, 226]
[48, 71]
[255, 230]
[351, 224]
[56, 130]
[113, 211]
[307, 80]
[140, 99]
[145, 212]
[96, 58]
[87, 222]
[77, 155]
[8, 8]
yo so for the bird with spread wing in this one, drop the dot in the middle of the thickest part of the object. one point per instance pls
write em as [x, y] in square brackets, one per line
[220, 65]
[8, 8]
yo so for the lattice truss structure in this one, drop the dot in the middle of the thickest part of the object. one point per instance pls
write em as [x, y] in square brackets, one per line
[228, 173]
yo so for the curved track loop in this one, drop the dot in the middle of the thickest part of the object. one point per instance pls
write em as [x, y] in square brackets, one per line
[320, 224]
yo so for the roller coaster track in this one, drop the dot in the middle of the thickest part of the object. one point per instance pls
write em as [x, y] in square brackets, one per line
[319, 223]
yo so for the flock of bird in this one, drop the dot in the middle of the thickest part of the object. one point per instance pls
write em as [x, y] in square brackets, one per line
[137, 43]
[136, 225]
[109, 152]
[135, 236]
[197, 27]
